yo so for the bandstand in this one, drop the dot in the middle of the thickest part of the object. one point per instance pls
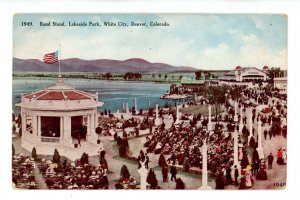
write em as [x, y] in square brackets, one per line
[57, 117]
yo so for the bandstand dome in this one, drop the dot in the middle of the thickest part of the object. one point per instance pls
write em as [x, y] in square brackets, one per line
[238, 68]
[59, 117]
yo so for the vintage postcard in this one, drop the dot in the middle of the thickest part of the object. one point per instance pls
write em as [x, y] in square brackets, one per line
[149, 101]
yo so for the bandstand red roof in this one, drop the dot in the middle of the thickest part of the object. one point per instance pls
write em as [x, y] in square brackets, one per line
[60, 95]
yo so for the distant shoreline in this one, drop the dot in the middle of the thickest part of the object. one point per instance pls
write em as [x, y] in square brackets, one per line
[92, 76]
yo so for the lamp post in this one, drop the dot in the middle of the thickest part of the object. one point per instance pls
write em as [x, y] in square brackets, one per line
[259, 148]
[209, 125]
[204, 185]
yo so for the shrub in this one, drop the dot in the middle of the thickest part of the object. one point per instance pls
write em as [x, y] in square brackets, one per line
[124, 174]
[84, 158]
[151, 179]
[252, 142]
[56, 157]
[33, 153]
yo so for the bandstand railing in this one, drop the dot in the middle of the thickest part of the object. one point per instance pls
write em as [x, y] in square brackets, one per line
[50, 139]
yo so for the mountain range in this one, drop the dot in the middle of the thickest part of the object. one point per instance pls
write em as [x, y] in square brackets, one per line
[99, 65]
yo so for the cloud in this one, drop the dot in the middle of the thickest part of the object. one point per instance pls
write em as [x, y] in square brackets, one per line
[201, 41]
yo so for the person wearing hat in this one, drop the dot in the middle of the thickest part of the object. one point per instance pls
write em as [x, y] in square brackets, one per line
[270, 160]
[279, 157]
[284, 156]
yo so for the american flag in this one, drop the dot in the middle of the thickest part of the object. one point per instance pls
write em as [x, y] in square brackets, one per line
[51, 58]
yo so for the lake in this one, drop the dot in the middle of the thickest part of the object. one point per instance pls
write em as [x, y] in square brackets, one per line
[112, 93]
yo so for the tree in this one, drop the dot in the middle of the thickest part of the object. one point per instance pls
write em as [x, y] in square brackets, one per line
[255, 156]
[272, 73]
[216, 95]
[162, 161]
[33, 153]
[235, 92]
[151, 179]
[166, 76]
[98, 130]
[123, 147]
[124, 174]
[244, 161]
[56, 157]
[198, 75]
[141, 111]
[252, 142]
[179, 184]
[108, 75]
[84, 158]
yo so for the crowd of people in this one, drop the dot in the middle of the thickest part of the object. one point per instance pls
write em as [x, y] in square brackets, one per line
[23, 172]
[74, 175]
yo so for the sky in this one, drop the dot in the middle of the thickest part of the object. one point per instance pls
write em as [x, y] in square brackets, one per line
[203, 41]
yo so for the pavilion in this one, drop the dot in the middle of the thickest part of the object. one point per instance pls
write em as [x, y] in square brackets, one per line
[246, 74]
[54, 118]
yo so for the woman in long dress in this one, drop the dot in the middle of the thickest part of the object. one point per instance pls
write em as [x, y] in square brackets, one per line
[262, 173]
[243, 180]
[279, 157]
[284, 156]
[248, 178]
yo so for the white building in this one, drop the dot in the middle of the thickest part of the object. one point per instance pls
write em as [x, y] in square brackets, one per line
[246, 74]
[54, 118]
[280, 82]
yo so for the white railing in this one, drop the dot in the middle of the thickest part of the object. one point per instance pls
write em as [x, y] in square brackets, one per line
[50, 139]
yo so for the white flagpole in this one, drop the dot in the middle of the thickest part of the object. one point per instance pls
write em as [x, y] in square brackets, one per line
[59, 54]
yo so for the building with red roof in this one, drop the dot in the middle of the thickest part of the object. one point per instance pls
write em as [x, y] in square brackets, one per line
[59, 117]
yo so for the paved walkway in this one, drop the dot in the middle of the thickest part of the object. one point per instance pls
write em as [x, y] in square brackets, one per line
[279, 172]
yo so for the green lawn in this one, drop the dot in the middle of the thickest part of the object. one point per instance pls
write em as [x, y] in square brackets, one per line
[203, 109]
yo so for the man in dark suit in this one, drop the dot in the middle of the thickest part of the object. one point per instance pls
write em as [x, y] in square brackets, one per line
[270, 160]
[173, 172]
[265, 134]
[236, 175]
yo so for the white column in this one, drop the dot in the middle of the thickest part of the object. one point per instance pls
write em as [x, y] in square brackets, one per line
[235, 112]
[209, 125]
[92, 123]
[34, 125]
[204, 186]
[143, 174]
[156, 121]
[123, 108]
[96, 118]
[177, 115]
[39, 126]
[250, 126]
[241, 120]
[88, 125]
[23, 123]
[259, 148]
[149, 103]
[67, 129]
[127, 109]
[135, 106]
[235, 155]
[62, 135]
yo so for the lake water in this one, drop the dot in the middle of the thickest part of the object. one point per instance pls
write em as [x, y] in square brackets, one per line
[112, 93]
